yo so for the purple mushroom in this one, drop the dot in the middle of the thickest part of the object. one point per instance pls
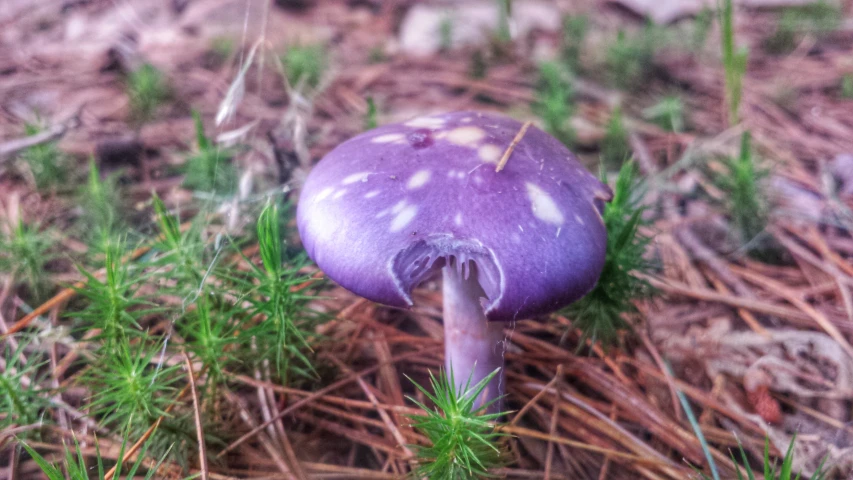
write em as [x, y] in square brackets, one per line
[391, 207]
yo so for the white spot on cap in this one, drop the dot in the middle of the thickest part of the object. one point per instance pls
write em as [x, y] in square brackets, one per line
[559, 229]
[466, 136]
[388, 138]
[516, 238]
[419, 179]
[340, 193]
[398, 206]
[578, 219]
[425, 122]
[403, 218]
[489, 153]
[323, 194]
[451, 174]
[466, 120]
[458, 219]
[356, 177]
[460, 175]
[543, 206]
[371, 194]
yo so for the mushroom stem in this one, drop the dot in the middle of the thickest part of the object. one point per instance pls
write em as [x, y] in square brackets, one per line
[473, 346]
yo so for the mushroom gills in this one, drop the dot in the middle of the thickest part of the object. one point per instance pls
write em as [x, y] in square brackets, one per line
[425, 258]
[472, 283]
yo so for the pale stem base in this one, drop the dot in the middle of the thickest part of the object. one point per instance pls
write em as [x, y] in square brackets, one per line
[473, 346]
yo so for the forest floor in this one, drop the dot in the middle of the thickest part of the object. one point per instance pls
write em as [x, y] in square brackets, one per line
[752, 330]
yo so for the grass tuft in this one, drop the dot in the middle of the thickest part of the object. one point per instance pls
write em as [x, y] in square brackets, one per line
[100, 200]
[277, 292]
[46, 164]
[147, 89]
[113, 307]
[555, 101]
[370, 117]
[305, 64]
[21, 401]
[668, 114]
[629, 61]
[734, 62]
[464, 443]
[701, 27]
[181, 255]
[503, 35]
[599, 315]
[210, 332]
[572, 42]
[817, 19]
[478, 66]
[222, 47]
[210, 168]
[771, 469]
[25, 251]
[129, 384]
[127, 379]
[75, 466]
[747, 201]
[445, 32]
[615, 147]
[847, 86]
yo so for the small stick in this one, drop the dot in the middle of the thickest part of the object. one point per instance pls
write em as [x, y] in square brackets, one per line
[512, 144]
[532, 401]
[555, 412]
[202, 451]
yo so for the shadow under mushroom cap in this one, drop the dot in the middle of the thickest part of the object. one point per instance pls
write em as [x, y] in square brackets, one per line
[385, 209]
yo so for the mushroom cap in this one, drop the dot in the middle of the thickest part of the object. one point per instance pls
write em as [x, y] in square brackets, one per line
[386, 209]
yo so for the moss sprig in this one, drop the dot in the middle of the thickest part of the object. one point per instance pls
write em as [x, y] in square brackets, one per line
[600, 314]
[463, 439]
[209, 169]
[21, 400]
[554, 102]
[25, 251]
[278, 293]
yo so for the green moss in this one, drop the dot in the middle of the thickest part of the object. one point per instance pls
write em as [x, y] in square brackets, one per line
[147, 89]
[25, 250]
[47, 164]
[463, 440]
[305, 64]
[600, 315]
[209, 169]
[615, 147]
[667, 114]
[629, 60]
[554, 102]
[818, 19]
[847, 86]
[574, 34]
